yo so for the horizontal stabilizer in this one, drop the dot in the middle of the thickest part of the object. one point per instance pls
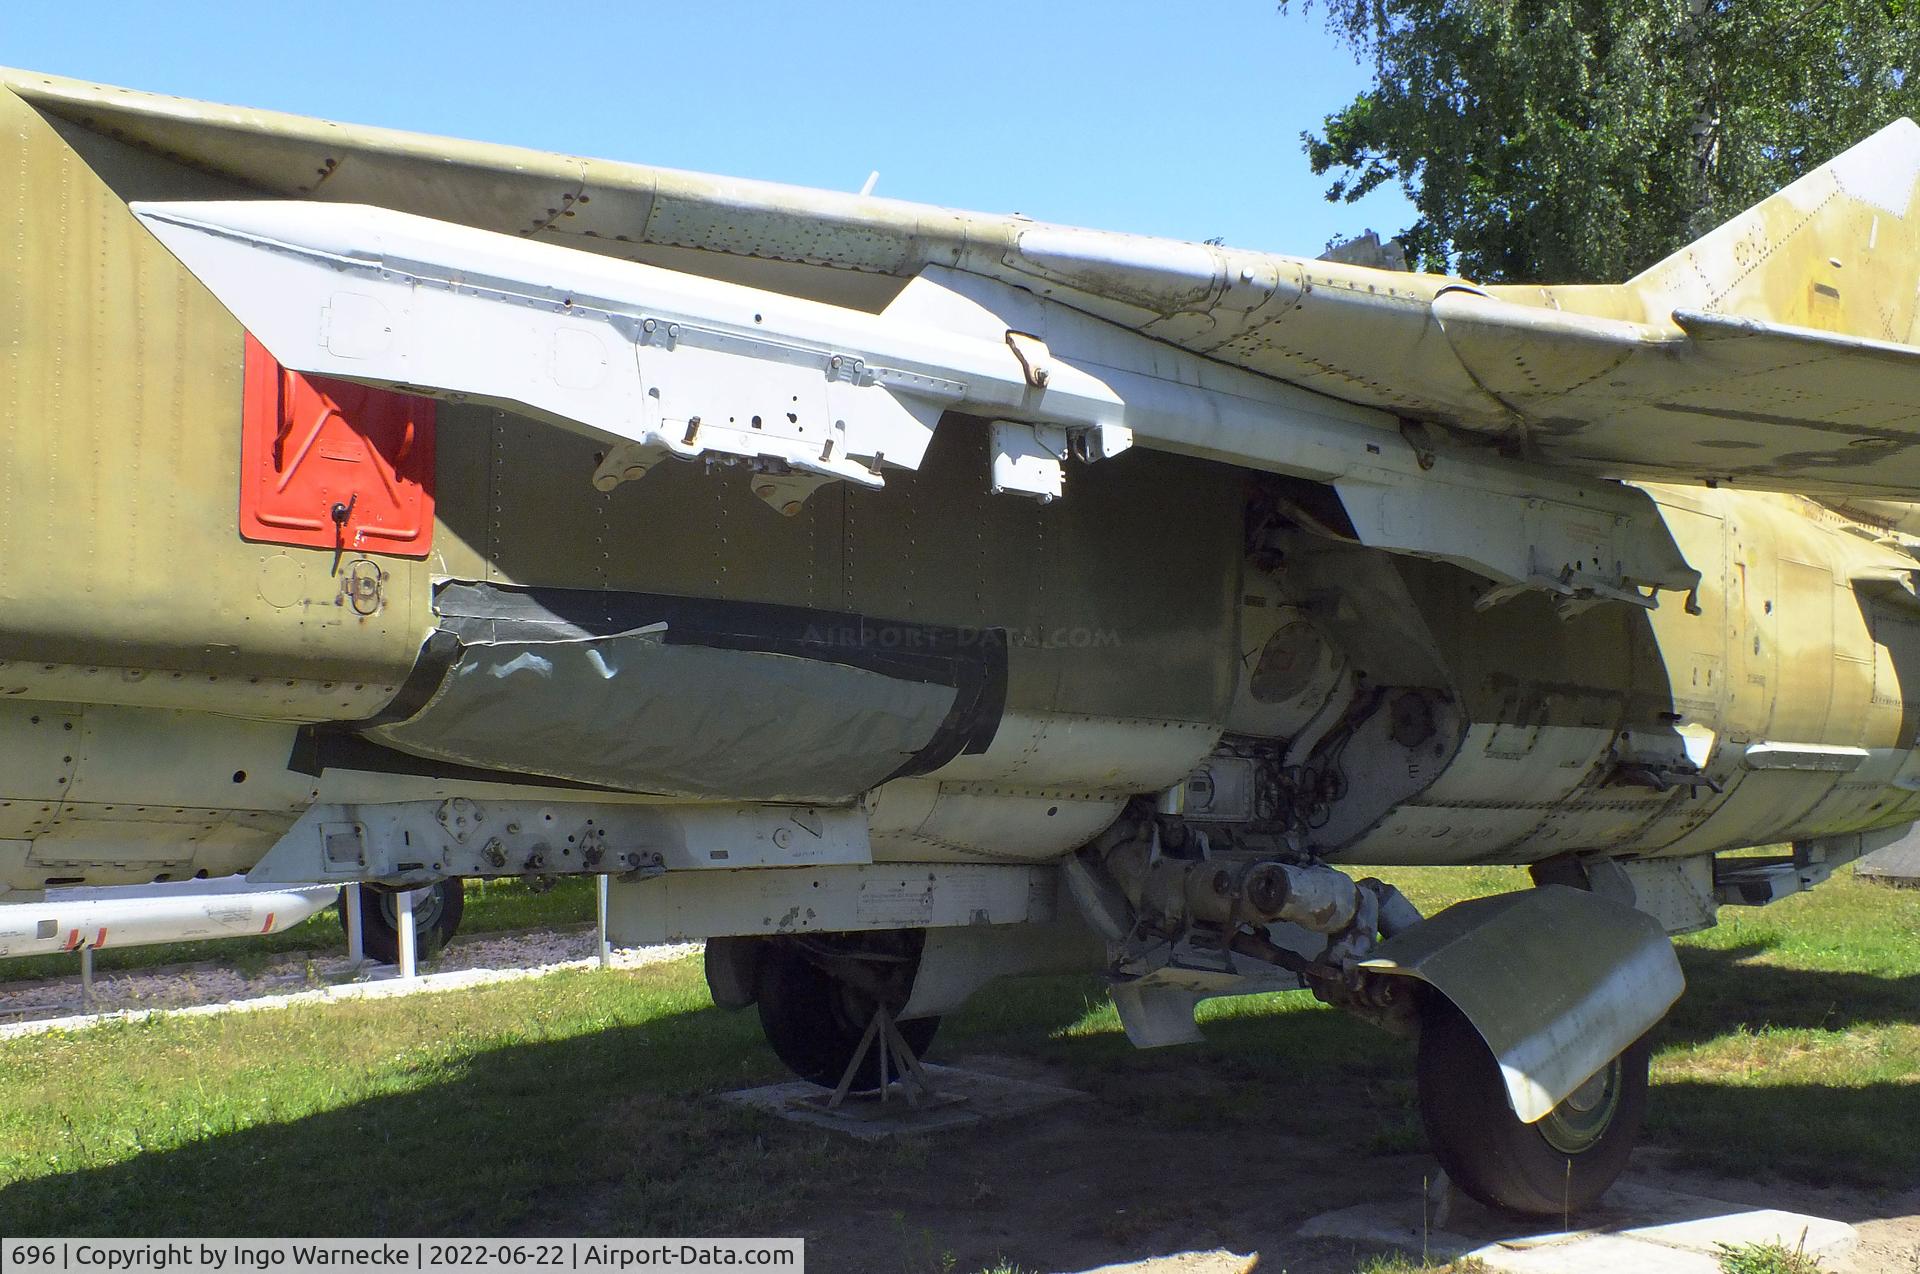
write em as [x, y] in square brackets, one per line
[1711, 397]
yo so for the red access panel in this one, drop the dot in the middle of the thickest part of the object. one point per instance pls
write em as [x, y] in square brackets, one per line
[330, 464]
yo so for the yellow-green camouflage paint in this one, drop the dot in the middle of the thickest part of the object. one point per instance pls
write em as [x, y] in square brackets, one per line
[124, 576]
[126, 582]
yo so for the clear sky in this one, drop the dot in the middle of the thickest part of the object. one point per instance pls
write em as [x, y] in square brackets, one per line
[1177, 118]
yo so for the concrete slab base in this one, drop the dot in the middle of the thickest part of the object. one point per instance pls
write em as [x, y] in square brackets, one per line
[960, 1098]
[1895, 864]
[1218, 1261]
[1637, 1228]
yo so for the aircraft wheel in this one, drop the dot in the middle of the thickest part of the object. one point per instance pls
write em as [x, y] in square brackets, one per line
[436, 918]
[814, 1020]
[1558, 1166]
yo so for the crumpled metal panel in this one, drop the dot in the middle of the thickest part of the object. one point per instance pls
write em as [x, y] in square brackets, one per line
[1558, 981]
[632, 712]
[693, 698]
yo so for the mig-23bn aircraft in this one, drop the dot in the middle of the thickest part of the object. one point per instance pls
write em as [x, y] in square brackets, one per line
[900, 598]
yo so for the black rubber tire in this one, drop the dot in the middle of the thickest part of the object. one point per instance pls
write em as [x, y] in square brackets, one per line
[1509, 1165]
[436, 918]
[814, 1022]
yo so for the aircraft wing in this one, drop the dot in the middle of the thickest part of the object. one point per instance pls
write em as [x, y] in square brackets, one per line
[1775, 353]
[1706, 397]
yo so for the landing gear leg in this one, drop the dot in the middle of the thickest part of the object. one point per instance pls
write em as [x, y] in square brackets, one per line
[1555, 1167]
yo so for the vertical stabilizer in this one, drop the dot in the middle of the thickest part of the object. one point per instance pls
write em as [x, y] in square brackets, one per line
[1838, 250]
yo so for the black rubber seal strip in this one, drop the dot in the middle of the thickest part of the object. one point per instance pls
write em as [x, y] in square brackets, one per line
[317, 748]
[436, 659]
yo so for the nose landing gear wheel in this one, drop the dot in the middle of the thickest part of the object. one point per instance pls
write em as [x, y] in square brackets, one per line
[1560, 1165]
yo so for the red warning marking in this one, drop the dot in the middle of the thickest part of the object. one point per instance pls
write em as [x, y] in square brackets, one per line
[101, 941]
[73, 940]
[267, 927]
[330, 464]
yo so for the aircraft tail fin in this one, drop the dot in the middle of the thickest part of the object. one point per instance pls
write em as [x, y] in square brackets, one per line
[1837, 251]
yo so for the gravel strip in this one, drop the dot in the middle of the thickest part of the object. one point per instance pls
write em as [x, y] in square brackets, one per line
[30, 1008]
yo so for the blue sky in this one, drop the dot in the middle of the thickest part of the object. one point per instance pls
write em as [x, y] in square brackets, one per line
[1168, 118]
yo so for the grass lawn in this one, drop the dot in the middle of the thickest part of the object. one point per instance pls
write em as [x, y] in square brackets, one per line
[580, 1102]
[491, 905]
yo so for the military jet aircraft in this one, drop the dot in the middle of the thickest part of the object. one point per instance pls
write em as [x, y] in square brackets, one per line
[901, 598]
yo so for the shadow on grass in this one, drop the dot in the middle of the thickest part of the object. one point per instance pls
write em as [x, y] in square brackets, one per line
[1727, 991]
[510, 1137]
[482, 1146]
[620, 1130]
[1854, 1135]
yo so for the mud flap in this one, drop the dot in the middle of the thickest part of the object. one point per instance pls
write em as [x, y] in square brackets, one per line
[1558, 981]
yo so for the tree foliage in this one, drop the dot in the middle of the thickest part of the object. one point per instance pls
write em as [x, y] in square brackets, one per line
[1582, 140]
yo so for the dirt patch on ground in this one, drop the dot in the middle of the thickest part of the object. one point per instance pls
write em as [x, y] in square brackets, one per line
[1889, 1224]
[1082, 1187]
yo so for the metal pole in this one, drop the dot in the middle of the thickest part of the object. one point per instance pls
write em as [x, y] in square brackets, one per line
[403, 916]
[86, 974]
[600, 943]
[356, 926]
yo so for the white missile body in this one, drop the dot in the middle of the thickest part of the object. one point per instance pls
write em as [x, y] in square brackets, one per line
[141, 915]
[659, 364]
[686, 366]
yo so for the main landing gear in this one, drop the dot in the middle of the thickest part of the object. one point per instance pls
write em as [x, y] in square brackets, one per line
[818, 996]
[827, 1001]
[1555, 1167]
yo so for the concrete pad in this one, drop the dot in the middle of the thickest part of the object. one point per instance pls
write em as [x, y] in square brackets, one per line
[1396, 1223]
[1636, 1227]
[961, 1098]
[1218, 1261]
[1895, 864]
[1600, 1254]
[1822, 1237]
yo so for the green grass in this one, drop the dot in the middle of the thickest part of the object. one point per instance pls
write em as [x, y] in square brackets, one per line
[492, 905]
[1399, 1264]
[1766, 1258]
[584, 1102]
[1796, 1049]
[462, 1112]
